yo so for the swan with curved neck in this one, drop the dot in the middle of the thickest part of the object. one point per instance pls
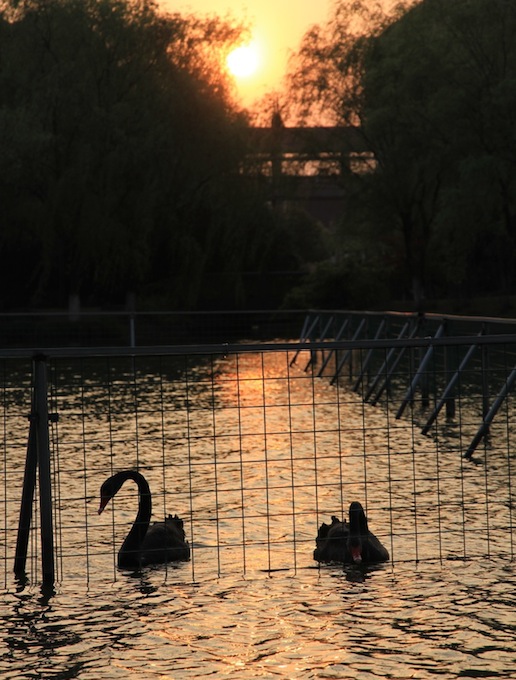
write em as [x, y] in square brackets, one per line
[351, 543]
[144, 544]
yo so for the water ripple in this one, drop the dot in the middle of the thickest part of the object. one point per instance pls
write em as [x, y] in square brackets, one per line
[253, 485]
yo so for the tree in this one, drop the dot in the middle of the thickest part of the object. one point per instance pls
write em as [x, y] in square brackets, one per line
[119, 138]
[326, 87]
[433, 88]
[438, 105]
[325, 74]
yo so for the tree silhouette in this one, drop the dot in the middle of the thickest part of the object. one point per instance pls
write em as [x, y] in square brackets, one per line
[121, 144]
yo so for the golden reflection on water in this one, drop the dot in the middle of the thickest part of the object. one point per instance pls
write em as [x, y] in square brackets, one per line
[254, 454]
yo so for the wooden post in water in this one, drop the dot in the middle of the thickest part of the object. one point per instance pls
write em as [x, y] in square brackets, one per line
[29, 483]
[488, 418]
[339, 335]
[420, 373]
[306, 333]
[448, 394]
[485, 380]
[369, 355]
[347, 356]
[45, 480]
[450, 397]
[38, 458]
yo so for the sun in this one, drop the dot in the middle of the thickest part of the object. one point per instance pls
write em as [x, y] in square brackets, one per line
[244, 61]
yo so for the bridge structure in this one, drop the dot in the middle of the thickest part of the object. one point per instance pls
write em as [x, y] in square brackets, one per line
[304, 166]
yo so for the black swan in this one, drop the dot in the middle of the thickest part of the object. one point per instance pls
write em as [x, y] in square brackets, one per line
[351, 543]
[162, 542]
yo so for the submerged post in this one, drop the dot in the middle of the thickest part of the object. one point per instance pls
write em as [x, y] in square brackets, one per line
[38, 460]
[409, 396]
[392, 368]
[488, 418]
[45, 480]
[306, 334]
[29, 483]
[322, 336]
[385, 364]
[445, 399]
[369, 355]
[339, 335]
[347, 355]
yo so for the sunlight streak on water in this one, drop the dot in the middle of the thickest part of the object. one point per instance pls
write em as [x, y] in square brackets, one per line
[426, 622]
[254, 456]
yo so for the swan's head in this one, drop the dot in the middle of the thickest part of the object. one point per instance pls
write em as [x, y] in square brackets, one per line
[110, 487]
[357, 529]
[355, 548]
[105, 496]
[357, 519]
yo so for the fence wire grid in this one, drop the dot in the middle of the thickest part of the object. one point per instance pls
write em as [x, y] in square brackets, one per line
[254, 447]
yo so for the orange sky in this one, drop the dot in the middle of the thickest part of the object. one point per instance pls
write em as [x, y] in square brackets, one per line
[278, 28]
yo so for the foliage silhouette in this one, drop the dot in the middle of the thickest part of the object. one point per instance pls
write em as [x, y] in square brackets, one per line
[432, 86]
[121, 149]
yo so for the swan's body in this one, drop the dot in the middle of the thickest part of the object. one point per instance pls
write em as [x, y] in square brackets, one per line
[351, 543]
[144, 544]
[332, 542]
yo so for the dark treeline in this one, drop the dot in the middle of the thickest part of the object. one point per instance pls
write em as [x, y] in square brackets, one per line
[433, 86]
[122, 149]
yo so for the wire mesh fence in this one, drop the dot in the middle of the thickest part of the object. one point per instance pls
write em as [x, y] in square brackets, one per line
[255, 445]
[131, 328]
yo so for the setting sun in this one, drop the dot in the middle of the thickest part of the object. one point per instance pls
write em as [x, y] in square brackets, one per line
[276, 26]
[244, 61]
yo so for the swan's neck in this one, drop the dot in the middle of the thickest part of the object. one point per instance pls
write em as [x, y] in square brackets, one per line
[357, 539]
[130, 552]
[358, 526]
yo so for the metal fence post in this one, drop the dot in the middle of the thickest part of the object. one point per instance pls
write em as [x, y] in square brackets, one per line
[488, 418]
[45, 480]
[27, 501]
[38, 459]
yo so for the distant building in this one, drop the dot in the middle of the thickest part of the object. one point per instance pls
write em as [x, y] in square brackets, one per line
[305, 165]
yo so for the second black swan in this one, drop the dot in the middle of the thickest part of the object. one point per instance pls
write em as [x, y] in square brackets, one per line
[350, 543]
[144, 544]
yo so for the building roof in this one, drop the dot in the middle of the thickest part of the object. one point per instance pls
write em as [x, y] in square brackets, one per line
[310, 141]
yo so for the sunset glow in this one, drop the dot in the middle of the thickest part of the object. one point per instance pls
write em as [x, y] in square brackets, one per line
[244, 61]
[277, 27]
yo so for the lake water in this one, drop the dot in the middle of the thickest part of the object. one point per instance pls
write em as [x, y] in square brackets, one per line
[254, 454]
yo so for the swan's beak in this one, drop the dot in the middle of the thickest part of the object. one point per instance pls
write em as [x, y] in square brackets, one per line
[103, 502]
[356, 554]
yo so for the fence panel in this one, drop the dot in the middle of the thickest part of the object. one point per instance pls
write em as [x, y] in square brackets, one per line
[254, 448]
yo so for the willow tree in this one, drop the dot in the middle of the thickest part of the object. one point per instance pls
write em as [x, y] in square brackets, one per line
[324, 79]
[439, 107]
[432, 87]
[326, 88]
[119, 138]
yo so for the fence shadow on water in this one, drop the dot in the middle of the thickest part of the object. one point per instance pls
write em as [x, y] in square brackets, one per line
[255, 444]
